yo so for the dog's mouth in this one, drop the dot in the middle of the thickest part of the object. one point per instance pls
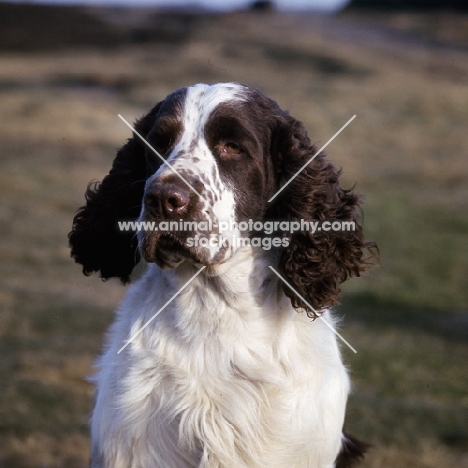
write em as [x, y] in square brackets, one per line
[169, 250]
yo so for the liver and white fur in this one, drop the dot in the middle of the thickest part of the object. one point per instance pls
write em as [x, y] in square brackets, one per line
[234, 372]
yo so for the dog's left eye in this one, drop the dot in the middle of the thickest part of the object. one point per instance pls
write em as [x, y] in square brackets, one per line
[232, 148]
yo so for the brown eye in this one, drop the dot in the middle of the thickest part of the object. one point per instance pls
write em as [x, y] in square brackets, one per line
[233, 148]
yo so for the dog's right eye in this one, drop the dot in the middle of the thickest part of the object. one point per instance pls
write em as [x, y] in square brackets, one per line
[161, 142]
[164, 135]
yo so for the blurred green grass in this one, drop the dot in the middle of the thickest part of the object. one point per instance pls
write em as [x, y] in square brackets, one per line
[406, 151]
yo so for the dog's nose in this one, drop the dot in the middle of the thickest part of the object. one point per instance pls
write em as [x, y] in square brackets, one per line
[167, 200]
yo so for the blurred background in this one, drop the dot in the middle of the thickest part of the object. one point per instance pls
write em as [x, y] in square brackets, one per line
[66, 71]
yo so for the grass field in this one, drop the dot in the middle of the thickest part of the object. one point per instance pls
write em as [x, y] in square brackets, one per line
[404, 76]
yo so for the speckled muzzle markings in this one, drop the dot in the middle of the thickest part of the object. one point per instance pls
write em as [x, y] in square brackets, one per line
[189, 187]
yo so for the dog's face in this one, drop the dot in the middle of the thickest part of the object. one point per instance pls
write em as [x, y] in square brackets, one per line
[217, 141]
[230, 149]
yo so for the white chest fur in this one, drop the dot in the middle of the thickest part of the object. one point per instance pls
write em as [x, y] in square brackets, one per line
[228, 375]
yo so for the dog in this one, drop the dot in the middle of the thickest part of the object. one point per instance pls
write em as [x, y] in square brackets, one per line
[224, 353]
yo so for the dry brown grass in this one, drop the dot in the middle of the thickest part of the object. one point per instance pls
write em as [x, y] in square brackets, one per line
[406, 150]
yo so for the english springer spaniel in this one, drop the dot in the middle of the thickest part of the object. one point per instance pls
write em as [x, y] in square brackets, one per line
[213, 361]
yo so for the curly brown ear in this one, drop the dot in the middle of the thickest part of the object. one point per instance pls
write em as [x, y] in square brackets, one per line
[95, 240]
[317, 263]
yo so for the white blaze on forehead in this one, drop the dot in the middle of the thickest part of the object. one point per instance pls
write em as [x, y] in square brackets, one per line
[201, 100]
[192, 155]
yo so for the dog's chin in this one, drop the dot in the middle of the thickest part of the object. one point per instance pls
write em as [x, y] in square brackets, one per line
[167, 259]
[169, 252]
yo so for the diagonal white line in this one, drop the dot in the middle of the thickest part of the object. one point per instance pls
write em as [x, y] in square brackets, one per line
[312, 158]
[159, 156]
[319, 315]
[161, 309]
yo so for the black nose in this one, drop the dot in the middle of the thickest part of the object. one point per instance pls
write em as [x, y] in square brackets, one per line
[167, 200]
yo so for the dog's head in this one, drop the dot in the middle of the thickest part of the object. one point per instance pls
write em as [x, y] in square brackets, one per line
[198, 174]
